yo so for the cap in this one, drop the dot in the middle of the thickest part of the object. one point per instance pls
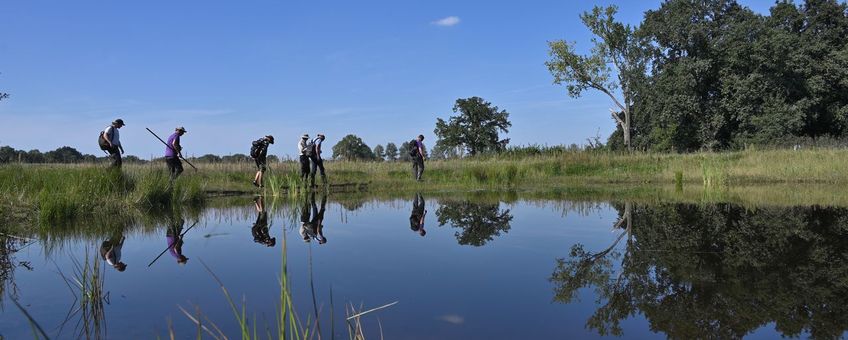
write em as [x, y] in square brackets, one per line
[305, 136]
[119, 121]
[270, 139]
[181, 129]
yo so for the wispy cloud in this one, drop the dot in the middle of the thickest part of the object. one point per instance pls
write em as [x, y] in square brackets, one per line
[452, 319]
[447, 22]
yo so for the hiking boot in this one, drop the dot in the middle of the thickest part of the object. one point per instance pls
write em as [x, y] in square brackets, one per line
[256, 184]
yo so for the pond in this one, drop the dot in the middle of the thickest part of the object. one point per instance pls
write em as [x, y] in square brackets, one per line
[465, 267]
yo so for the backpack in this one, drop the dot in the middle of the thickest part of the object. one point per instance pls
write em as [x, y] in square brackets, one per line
[101, 140]
[256, 148]
[309, 149]
[413, 148]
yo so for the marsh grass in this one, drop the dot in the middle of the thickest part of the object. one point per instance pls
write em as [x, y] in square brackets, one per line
[87, 285]
[60, 193]
[288, 321]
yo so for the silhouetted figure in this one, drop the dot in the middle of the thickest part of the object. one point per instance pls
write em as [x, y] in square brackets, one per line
[416, 219]
[110, 251]
[175, 241]
[260, 231]
[312, 225]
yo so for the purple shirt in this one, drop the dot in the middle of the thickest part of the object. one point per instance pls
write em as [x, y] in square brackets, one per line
[169, 150]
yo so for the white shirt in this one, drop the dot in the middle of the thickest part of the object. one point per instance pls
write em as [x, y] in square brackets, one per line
[317, 146]
[300, 146]
[116, 135]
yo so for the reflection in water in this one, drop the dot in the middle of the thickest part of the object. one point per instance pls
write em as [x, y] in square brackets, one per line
[260, 230]
[110, 251]
[312, 223]
[719, 271]
[480, 222]
[175, 236]
[416, 219]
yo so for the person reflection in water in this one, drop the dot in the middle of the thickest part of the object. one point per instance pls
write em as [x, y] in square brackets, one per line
[416, 219]
[175, 240]
[110, 251]
[312, 225]
[260, 228]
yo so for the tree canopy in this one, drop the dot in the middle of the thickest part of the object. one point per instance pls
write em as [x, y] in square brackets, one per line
[352, 148]
[715, 75]
[476, 128]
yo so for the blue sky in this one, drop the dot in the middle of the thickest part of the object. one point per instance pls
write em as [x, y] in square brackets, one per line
[231, 71]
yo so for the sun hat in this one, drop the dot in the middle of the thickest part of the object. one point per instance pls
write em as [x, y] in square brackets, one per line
[119, 121]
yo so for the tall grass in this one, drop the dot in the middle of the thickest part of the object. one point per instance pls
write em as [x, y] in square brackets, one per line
[289, 323]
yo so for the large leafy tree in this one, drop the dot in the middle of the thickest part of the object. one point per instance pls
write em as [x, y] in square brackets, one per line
[723, 76]
[615, 66]
[476, 128]
[352, 148]
[478, 222]
[391, 152]
[379, 152]
[718, 271]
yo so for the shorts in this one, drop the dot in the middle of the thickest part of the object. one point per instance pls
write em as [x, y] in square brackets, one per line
[261, 164]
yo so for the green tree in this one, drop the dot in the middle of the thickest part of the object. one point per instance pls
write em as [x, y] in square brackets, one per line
[391, 152]
[404, 152]
[352, 148]
[379, 153]
[476, 128]
[616, 47]
[65, 154]
[737, 271]
[478, 222]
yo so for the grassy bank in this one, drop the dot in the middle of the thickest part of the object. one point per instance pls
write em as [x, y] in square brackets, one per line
[51, 194]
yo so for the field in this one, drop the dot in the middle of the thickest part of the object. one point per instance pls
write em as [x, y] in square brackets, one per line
[51, 194]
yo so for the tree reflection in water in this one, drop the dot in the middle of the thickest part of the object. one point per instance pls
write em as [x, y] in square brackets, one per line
[479, 222]
[718, 271]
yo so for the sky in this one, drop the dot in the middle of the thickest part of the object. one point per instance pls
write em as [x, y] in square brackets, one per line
[231, 72]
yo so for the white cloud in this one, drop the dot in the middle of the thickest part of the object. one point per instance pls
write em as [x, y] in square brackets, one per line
[447, 22]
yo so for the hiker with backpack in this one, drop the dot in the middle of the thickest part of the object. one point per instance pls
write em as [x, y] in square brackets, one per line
[304, 147]
[173, 152]
[110, 141]
[416, 151]
[317, 161]
[110, 251]
[416, 219]
[259, 153]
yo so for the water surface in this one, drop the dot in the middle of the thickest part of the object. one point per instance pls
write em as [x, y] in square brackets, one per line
[460, 268]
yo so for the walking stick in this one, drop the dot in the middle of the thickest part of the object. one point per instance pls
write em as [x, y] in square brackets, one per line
[179, 154]
[171, 246]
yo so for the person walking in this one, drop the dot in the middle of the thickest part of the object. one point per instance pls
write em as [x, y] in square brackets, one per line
[417, 154]
[110, 251]
[259, 152]
[174, 237]
[260, 231]
[312, 225]
[416, 219]
[317, 161]
[173, 152]
[110, 141]
[304, 150]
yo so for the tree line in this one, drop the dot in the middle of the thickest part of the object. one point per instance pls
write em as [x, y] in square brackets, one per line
[696, 75]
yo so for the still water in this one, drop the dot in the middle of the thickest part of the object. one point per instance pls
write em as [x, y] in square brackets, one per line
[458, 268]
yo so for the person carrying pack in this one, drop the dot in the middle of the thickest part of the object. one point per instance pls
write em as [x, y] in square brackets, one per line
[259, 153]
[317, 161]
[416, 151]
[173, 151]
[110, 141]
[304, 149]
